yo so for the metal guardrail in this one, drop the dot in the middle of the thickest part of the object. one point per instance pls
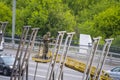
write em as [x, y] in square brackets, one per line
[74, 50]
[113, 49]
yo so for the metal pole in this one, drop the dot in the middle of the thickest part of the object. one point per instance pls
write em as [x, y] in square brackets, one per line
[95, 43]
[64, 55]
[27, 71]
[20, 51]
[97, 40]
[13, 21]
[35, 71]
[105, 52]
[55, 55]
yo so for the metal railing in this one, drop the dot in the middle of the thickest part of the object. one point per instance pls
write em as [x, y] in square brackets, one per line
[74, 50]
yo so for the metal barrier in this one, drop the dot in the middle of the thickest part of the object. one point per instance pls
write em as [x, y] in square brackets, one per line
[74, 50]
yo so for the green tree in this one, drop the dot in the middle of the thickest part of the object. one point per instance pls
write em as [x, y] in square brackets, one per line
[94, 17]
[116, 41]
[6, 15]
[47, 15]
[108, 21]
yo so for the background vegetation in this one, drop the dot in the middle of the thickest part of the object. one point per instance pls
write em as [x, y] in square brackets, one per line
[94, 17]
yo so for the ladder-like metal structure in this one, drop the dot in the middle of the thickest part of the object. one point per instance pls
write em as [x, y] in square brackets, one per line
[23, 53]
[19, 53]
[59, 73]
[91, 56]
[39, 52]
[2, 29]
[50, 73]
[102, 58]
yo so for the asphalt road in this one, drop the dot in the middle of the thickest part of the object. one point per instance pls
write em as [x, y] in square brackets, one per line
[42, 69]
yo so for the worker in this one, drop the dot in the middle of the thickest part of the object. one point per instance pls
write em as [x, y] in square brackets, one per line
[46, 40]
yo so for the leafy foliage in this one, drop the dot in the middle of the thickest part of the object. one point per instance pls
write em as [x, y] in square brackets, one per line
[5, 14]
[107, 22]
[116, 42]
[94, 17]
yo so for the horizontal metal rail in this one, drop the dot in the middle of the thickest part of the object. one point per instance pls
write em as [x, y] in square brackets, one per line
[74, 50]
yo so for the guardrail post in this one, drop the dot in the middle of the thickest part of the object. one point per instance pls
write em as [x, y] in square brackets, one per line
[111, 58]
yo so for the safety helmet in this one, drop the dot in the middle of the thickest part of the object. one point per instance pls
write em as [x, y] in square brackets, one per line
[48, 33]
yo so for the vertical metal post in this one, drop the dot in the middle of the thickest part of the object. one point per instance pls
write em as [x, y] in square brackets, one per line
[2, 29]
[35, 70]
[13, 21]
[59, 74]
[105, 52]
[27, 72]
[25, 62]
[19, 52]
[22, 58]
[55, 54]
[92, 53]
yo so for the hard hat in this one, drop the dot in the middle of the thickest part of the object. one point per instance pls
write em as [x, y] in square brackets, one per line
[48, 33]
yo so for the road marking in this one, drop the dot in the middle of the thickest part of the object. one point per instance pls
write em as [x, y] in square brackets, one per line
[45, 65]
[66, 74]
[37, 75]
[71, 75]
[41, 70]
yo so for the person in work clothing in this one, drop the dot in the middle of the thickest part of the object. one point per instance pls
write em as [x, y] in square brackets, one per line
[46, 40]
